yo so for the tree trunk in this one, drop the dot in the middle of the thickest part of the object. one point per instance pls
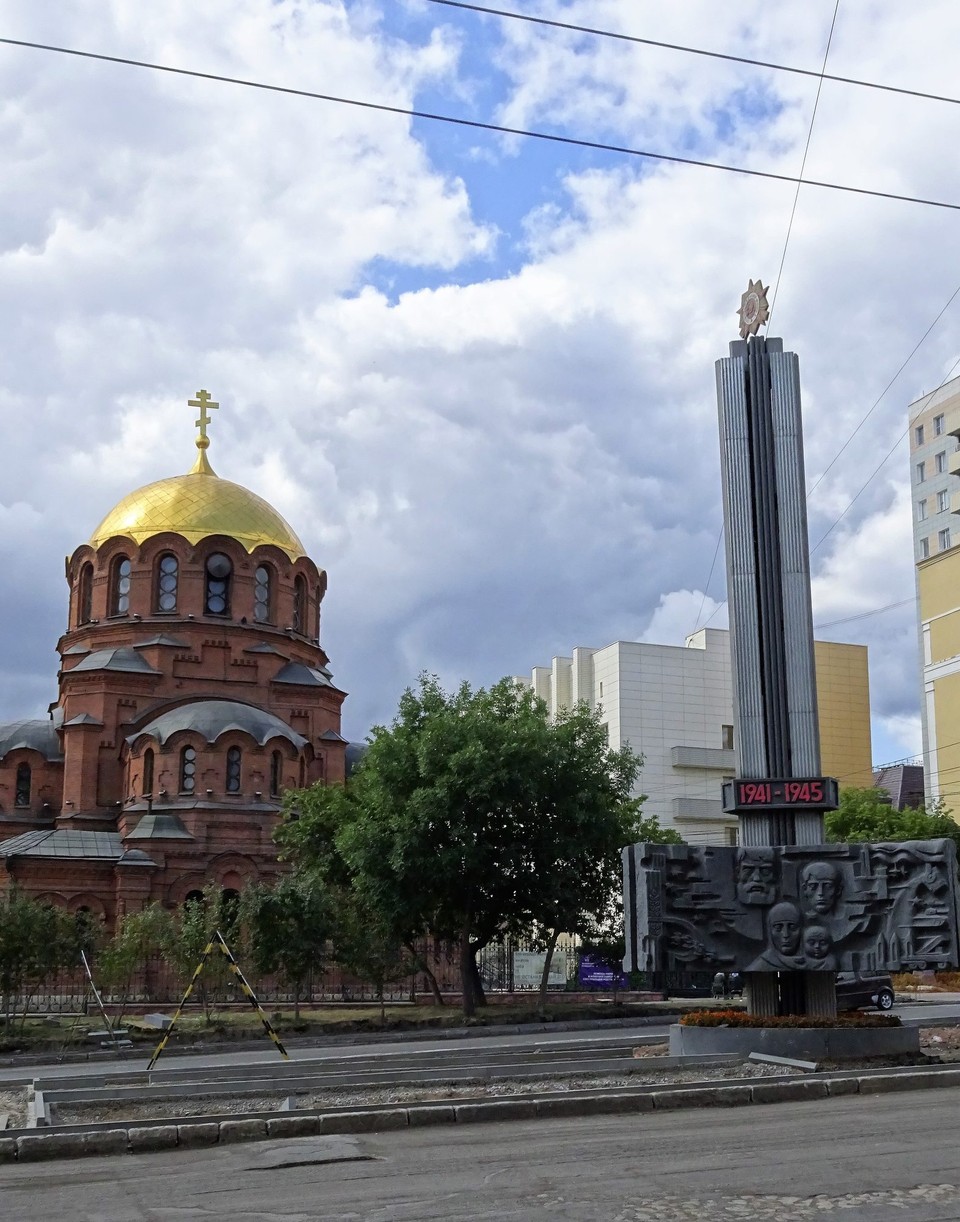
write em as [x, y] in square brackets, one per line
[545, 974]
[431, 979]
[479, 997]
[467, 962]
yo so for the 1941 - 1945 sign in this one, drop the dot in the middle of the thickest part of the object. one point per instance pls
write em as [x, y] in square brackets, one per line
[766, 793]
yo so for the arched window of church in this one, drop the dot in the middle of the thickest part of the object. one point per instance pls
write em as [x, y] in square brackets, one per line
[276, 772]
[120, 586]
[317, 620]
[168, 578]
[85, 595]
[22, 797]
[263, 595]
[188, 770]
[219, 574]
[300, 603]
[148, 771]
[234, 763]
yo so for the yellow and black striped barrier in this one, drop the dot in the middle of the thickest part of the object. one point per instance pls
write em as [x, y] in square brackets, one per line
[219, 944]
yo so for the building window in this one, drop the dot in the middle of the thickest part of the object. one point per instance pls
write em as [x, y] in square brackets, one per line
[733, 836]
[85, 608]
[120, 586]
[921, 472]
[921, 509]
[234, 760]
[300, 604]
[938, 426]
[168, 576]
[276, 772]
[943, 538]
[924, 548]
[261, 595]
[918, 435]
[219, 572]
[148, 771]
[943, 501]
[188, 770]
[22, 797]
[941, 462]
[726, 733]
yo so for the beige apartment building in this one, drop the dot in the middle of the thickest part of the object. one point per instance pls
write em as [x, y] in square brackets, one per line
[674, 705]
[934, 468]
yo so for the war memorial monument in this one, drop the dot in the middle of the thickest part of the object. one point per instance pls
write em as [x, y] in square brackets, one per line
[784, 908]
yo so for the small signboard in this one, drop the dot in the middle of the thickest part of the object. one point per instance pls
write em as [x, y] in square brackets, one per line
[528, 969]
[593, 974]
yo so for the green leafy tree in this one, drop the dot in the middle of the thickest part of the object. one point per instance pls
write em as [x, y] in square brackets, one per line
[36, 941]
[866, 815]
[192, 929]
[138, 937]
[475, 816]
[289, 926]
[367, 946]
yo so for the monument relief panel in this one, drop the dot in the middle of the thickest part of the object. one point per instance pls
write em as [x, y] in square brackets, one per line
[829, 907]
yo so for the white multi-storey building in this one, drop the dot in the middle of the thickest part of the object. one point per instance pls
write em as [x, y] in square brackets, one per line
[674, 705]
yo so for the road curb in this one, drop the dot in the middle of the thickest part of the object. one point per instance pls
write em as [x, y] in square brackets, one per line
[34, 1146]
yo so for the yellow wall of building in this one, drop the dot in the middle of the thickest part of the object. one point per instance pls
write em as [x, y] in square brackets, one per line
[939, 585]
[946, 702]
[843, 696]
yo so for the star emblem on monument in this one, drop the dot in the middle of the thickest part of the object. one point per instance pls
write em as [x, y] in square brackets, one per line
[754, 310]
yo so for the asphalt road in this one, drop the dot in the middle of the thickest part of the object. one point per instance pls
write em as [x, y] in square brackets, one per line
[856, 1159]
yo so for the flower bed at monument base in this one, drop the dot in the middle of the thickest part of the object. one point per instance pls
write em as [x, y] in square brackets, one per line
[737, 1018]
[848, 1037]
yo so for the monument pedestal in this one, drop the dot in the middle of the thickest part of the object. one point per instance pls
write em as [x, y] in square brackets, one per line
[803, 1043]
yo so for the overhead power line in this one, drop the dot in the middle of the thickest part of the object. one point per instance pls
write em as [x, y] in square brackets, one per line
[476, 124]
[688, 50]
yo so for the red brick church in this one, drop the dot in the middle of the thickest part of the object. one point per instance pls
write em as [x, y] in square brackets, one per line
[192, 691]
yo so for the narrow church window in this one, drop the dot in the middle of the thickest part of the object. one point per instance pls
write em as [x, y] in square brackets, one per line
[219, 572]
[23, 785]
[276, 772]
[233, 770]
[299, 604]
[148, 771]
[188, 770]
[261, 596]
[168, 578]
[85, 602]
[120, 586]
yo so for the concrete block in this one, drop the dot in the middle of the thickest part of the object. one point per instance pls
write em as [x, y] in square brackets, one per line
[109, 1141]
[8, 1149]
[593, 1105]
[242, 1130]
[500, 1109]
[842, 1086]
[192, 1136]
[788, 1089]
[876, 1084]
[155, 1137]
[364, 1122]
[294, 1126]
[420, 1117]
[701, 1096]
[36, 1147]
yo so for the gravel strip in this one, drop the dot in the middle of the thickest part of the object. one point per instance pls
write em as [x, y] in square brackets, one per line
[13, 1104]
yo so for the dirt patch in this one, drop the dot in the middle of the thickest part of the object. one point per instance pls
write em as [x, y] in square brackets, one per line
[13, 1105]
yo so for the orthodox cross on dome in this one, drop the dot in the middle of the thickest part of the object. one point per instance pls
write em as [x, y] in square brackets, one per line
[204, 402]
[754, 310]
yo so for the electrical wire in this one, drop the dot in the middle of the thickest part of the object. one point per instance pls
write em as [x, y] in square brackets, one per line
[688, 50]
[476, 124]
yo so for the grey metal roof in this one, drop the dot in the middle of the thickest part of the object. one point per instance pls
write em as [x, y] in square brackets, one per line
[162, 638]
[78, 650]
[83, 719]
[265, 647]
[102, 846]
[303, 676]
[122, 658]
[37, 735]
[211, 718]
[164, 826]
[331, 736]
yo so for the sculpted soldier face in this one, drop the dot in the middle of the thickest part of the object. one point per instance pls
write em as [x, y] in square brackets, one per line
[820, 886]
[785, 928]
[756, 876]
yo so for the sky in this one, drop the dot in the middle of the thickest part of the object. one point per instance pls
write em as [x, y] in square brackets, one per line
[474, 371]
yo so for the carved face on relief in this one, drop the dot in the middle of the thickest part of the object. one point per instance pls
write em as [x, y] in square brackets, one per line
[785, 928]
[820, 886]
[756, 876]
[816, 942]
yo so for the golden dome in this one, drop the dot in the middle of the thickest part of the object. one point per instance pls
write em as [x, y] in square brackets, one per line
[196, 505]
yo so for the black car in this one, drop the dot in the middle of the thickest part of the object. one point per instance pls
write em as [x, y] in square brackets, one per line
[858, 989]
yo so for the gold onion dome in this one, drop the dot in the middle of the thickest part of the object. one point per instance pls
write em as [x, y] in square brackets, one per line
[199, 504]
